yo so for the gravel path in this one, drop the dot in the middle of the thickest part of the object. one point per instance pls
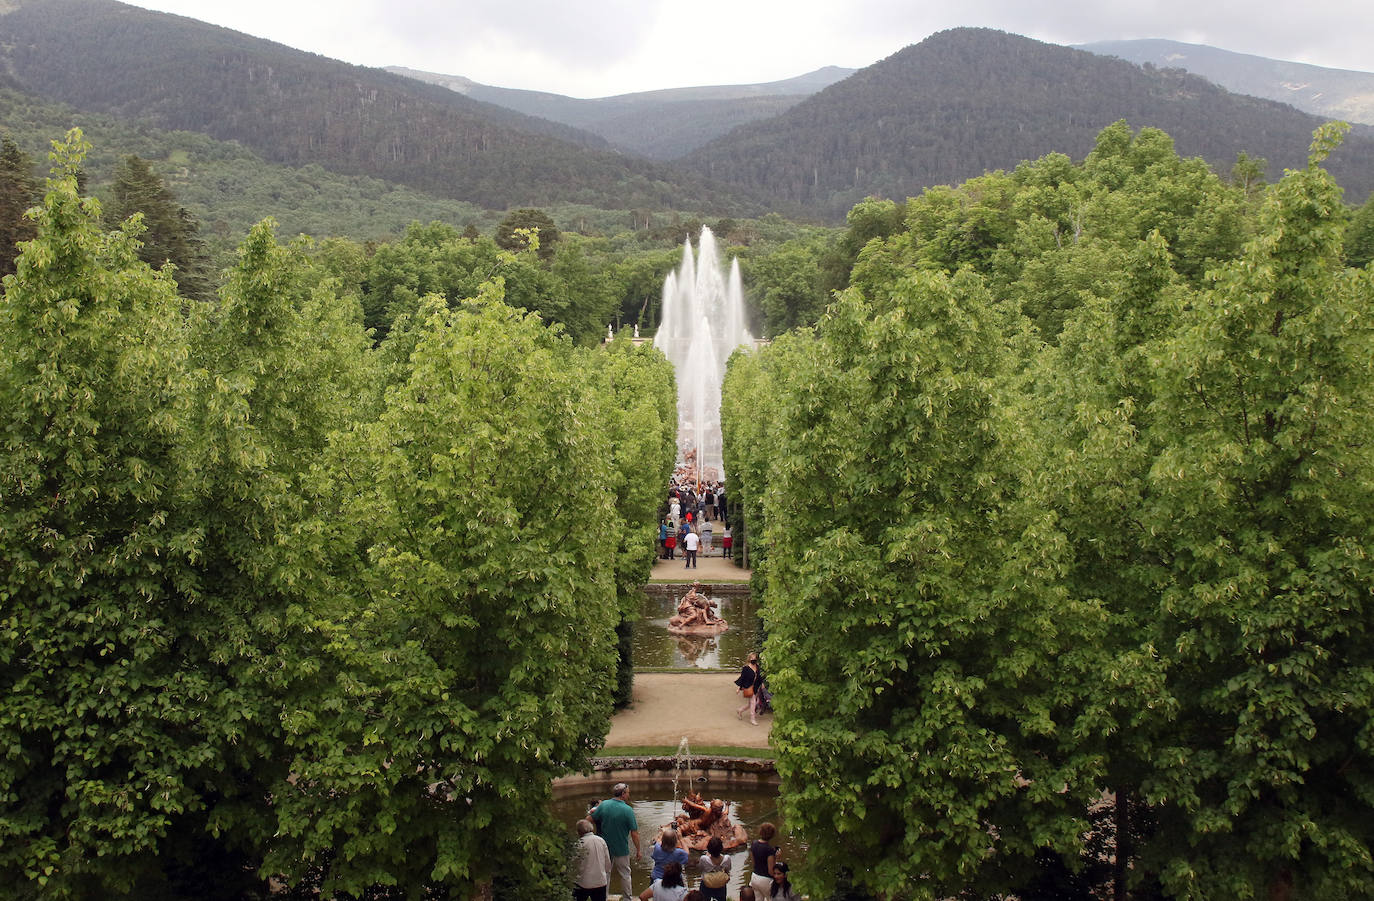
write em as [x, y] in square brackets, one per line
[701, 706]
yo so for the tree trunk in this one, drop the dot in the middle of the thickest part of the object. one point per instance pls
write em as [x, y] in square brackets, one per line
[1122, 816]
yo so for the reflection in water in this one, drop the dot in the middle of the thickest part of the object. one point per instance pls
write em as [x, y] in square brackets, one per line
[751, 807]
[699, 650]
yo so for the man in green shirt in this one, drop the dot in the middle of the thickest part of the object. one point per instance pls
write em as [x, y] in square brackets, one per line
[615, 820]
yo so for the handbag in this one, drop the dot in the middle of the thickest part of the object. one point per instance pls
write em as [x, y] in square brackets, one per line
[715, 878]
[748, 692]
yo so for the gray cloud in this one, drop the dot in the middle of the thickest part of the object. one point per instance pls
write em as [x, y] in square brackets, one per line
[1334, 33]
[565, 33]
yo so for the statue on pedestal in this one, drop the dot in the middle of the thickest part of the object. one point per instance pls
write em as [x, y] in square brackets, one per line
[702, 821]
[696, 615]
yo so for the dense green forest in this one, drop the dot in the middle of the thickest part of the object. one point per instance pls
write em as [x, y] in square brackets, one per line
[956, 105]
[226, 189]
[1055, 475]
[1061, 527]
[967, 101]
[255, 567]
[298, 108]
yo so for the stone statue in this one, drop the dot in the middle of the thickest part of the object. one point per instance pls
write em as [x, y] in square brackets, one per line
[702, 821]
[696, 615]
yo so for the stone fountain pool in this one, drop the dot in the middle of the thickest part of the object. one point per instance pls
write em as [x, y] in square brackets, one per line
[655, 648]
[652, 798]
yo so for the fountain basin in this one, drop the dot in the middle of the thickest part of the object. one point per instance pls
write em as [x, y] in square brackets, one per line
[749, 785]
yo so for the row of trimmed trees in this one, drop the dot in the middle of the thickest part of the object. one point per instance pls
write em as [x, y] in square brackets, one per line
[277, 603]
[1064, 514]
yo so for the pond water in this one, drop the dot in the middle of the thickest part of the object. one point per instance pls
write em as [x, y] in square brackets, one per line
[655, 647]
[749, 806]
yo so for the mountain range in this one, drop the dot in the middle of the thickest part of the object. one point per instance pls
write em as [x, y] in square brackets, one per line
[298, 108]
[1330, 93]
[970, 100]
[662, 124]
[949, 108]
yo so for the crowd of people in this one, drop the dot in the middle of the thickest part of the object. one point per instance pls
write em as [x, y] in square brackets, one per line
[688, 522]
[605, 839]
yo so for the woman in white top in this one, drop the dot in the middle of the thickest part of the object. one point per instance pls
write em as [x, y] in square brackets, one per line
[715, 868]
[668, 888]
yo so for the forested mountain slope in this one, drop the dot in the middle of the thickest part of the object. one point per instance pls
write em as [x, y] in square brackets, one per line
[658, 124]
[1333, 93]
[299, 108]
[970, 100]
[226, 186]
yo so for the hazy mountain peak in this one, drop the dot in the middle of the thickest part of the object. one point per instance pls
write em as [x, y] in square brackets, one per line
[1330, 93]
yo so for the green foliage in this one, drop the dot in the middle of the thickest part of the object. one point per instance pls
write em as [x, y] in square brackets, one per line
[906, 609]
[538, 222]
[119, 715]
[786, 286]
[1258, 508]
[1359, 238]
[18, 192]
[469, 618]
[1065, 504]
[640, 420]
[968, 101]
[254, 572]
[170, 233]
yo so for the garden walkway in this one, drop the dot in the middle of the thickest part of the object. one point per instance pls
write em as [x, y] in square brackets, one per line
[700, 706]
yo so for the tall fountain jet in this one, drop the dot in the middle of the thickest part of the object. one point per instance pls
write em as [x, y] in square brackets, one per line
[703, 323]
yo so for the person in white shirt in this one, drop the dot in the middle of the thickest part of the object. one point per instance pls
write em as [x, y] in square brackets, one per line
[593, 864]
[690, 545]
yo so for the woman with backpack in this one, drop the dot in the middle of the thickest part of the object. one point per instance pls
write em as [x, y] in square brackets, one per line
[715, 870]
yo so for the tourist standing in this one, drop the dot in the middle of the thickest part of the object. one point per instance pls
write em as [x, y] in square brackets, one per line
[615, 819]
[727, 543]
[663, 539]
[781, 889]
[710, 504]
[747, 684]
[764, 854]
[706, 529]
[593, 864]
[715, 870]
[690, 543]
[665, 851]
[675, 510]
[670, 545]
[669, 887]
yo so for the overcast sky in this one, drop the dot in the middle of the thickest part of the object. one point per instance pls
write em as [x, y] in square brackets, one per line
[595, 48]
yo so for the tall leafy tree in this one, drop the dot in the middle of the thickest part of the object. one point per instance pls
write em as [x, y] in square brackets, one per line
[469, 616]
[910, 595]
[509, 234]
[639, 413]
[1259, 507]
[109, 740]
[1359, 239]
[19, 190]
[171, 233]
